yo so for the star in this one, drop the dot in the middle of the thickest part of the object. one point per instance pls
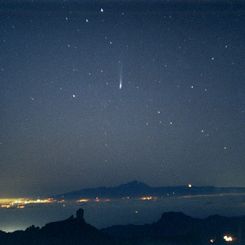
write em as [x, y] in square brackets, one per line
[73, 96]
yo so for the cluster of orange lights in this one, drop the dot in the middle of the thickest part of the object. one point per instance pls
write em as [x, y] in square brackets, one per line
[22, 202]
[97, 199]
[147, 198]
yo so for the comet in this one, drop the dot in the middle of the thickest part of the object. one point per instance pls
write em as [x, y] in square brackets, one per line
[120, 78]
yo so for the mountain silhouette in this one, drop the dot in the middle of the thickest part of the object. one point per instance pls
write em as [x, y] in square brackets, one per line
[178, 228]
[137, 189]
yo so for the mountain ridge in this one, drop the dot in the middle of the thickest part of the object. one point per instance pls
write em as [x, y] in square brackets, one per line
[136, 189]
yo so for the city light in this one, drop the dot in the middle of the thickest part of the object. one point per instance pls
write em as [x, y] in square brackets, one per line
[228, 238]
[83, 200]
[22, 202]
[147, 198]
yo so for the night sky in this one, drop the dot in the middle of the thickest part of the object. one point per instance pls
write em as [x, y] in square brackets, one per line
[102, 93]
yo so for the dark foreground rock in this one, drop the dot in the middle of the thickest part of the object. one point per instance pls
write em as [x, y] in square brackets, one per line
[73, 230]
[177, 228]
[172, 228]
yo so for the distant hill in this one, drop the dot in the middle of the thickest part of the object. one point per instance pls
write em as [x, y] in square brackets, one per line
[173, 228]
[137, 189]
